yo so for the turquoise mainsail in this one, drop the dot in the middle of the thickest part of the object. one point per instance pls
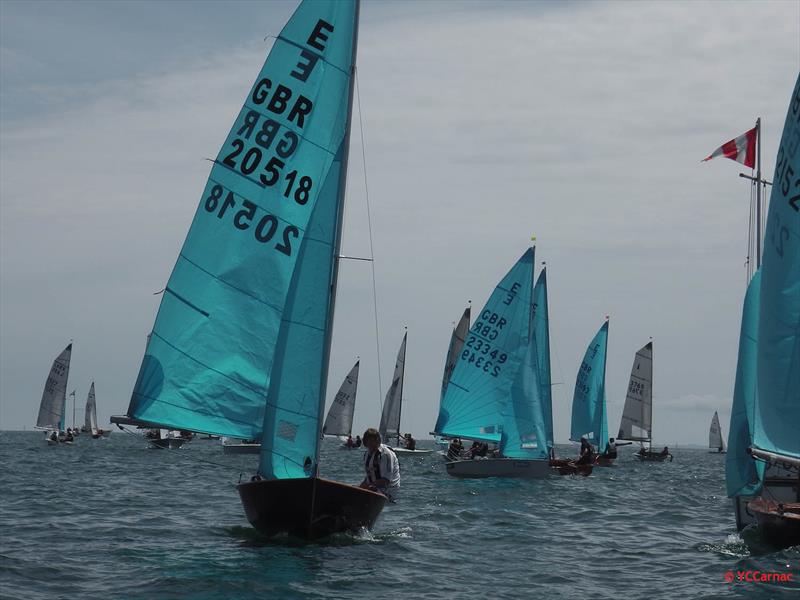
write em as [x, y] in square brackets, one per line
[589, 399]
[481, 382]
[744, 476]
[241, 337]
[777, 414]
[541, 334]
[524, 433]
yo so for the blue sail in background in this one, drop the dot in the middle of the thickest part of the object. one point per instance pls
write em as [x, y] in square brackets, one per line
[490, 358]
[235, 311]
[541, 334]
[744, 475]
[778, 403]
[589, 399]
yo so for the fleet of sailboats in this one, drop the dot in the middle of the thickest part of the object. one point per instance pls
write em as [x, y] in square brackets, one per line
[241, 344]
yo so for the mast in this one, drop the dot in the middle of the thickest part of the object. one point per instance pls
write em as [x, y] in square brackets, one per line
[603, 403]
[338, 239]
[758, 192]
[652, 387]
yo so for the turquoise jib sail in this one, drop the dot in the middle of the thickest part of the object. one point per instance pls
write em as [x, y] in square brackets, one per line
[589, 399]
[235, 301]
[524, 433]
[480, 386]
[743, 474]
[778, 403]
[541, 334]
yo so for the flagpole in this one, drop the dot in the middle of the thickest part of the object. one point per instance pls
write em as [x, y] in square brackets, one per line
[758, 193]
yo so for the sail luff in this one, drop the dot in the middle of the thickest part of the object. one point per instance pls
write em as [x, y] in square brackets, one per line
[338, 236]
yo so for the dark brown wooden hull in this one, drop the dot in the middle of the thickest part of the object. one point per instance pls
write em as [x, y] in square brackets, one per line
[648, 456]
[566, 466]
[778, 523]
[309, 508]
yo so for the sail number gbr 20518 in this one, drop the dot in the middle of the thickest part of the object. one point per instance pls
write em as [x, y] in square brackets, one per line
[266, 229]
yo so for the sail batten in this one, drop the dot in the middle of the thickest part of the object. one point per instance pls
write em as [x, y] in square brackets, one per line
[235, 304]
[480, 385]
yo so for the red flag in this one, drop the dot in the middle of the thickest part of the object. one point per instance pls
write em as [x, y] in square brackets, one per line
[741, 149]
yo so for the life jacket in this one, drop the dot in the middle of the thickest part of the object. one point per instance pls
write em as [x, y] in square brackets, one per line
[374, 469]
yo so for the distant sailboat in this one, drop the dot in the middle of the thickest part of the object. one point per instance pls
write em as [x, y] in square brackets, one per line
[241, 344]
[494, 393]
[766, 410]
[715, 441]
[53, 405]
[637, 415]
[457, 338]
[90, 417]
[164, 439]
[589, 398]
[389, 427]
[339, 421]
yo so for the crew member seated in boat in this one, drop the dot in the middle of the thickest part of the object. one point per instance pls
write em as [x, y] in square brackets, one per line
[587, 453]
[69, 437]
[381, 466]
[358, 441]
[350, 443]
[454, 450]
[665, 451]
[410, 442]
[611, 449]
[54, 437]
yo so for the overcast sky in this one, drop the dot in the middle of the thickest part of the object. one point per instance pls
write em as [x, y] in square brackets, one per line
[484, 123]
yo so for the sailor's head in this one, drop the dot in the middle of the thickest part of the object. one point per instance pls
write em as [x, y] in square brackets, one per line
[611, 440]
[371, 439]
[408, 436]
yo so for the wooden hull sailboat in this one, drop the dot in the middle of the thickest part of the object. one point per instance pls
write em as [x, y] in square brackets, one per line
[241, 343]
[763, 461]
[309, 507]
[500, 467]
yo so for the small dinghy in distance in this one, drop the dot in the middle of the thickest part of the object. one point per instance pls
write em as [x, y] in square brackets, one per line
[339, 421]
[716, 444]
[589, 399]
[389, 427]
[637, 415]
[163, 439]
[231, 446]
[53, 405]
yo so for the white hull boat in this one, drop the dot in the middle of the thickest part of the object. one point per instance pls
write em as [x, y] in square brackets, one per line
[241, 448]
[407, 452]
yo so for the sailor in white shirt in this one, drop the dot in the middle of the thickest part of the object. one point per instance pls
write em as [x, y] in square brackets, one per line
[381, 466]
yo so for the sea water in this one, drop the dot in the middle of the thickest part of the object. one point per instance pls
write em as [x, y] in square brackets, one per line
[110, 518]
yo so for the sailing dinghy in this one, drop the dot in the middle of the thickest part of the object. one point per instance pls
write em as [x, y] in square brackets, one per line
[52, 407]
[637, 414]
[339, 421]
[763, 465]
[589, 398]
[493, 395]
[389, 427]
[241, 343]
[715, 442]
